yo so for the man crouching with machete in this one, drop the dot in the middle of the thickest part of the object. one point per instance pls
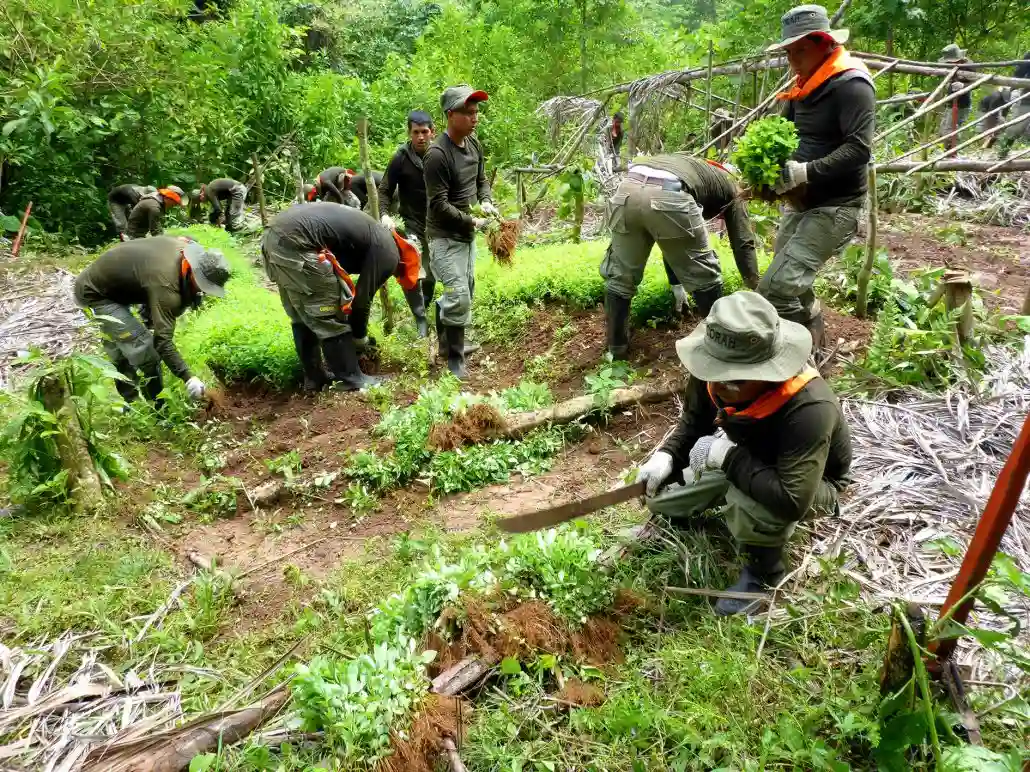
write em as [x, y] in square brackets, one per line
[762, 433]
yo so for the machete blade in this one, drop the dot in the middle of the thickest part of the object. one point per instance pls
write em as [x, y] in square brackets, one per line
[545, 518]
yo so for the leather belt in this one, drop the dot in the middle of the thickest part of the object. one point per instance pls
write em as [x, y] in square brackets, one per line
[656, 182]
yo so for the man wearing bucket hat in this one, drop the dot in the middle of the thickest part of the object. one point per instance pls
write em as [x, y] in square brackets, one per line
[956, 112]
[311, 251]
[166, 275]
[148, 215]
[761, 435]
[455, 176]
[665, 199]
[832, 104]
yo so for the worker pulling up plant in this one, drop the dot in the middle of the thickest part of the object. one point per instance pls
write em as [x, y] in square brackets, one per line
[832, 104]
[310, 251]
[227, 193]
[763, 436]
[147, 217]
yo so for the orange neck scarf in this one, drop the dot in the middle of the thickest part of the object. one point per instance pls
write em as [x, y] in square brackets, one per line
[770, 402]
[409, 264]
[837, 62]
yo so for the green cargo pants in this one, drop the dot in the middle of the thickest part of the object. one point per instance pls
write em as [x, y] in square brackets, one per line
[453, 264]
[804, 242]
[749, 522]
[130, 347]
[310, 291]
[641, 216]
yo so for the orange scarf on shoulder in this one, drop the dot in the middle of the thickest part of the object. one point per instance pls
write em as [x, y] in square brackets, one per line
[770, 402]
[837, 62]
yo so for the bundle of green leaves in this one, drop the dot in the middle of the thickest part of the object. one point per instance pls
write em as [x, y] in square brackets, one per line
[358, 702]
[764, 149]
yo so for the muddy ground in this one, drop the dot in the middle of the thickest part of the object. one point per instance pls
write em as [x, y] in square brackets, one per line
[259, 427]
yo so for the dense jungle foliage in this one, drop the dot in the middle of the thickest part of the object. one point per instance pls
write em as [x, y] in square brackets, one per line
[175, 91]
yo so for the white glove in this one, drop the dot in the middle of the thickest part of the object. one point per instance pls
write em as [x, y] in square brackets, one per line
[480, 223]
[709, 453]
[388, 222]
[655, 471]
[794, 174]
[489, 209]
[195, 387]
[681, 297]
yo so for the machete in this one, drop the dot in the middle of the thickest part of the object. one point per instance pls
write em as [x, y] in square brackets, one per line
[545, 518]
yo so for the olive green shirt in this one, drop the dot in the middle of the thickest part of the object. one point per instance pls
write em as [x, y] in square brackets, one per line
[144, 272]
[146, 217]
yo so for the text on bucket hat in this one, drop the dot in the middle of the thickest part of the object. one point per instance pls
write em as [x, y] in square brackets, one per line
[804, 20]
[744, 339]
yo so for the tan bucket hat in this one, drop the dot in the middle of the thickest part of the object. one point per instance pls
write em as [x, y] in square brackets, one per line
[802, 21]
[744, 339]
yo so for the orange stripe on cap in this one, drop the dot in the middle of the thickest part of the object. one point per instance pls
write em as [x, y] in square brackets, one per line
[170, 194]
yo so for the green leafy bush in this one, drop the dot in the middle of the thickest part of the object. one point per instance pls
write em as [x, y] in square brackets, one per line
[764, 149]
[358, 702]
[838, 283]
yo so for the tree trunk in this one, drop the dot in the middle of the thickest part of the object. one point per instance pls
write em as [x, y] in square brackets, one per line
[87, 492]
[861, 301]
[373, 208]
[259, 183]
[582, 46]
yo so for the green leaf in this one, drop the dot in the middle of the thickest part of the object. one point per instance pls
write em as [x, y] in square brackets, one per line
[510, 666]
[203, 762]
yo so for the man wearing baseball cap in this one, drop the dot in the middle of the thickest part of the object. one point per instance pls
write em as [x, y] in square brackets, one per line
[455, 178]
[665, 199]
[166, 275]
[334, 184]
[832, 103]
[761, 435]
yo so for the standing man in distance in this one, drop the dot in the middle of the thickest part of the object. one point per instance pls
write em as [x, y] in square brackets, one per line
[832, 104]
[455, 180]
[404, 177]
[148, 215]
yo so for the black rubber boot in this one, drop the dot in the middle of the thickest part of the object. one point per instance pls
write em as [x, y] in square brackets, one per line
[455, 337]
[306, 343]
[705, 299]
[417, 304]
[428, 286]
[616, 311]
[764, 568]
[441, 335]
[342, 358]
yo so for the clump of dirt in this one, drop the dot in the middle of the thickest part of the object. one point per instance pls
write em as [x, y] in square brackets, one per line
[502, 240]
[216, 405]
[628, 602]
[598, 642]
[439, 717]
[575, 693]
[478, 423]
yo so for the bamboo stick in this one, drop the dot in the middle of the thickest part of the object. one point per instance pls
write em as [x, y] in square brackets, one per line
[967, 143]
[373, 205]
[959, 130]
[962, 165]
[902, 98]
[965, 65]
[1004, 161]
[258, 182]
[930, 103]
[861, 301]
[16, 247]
[889, 68]
[708, 88]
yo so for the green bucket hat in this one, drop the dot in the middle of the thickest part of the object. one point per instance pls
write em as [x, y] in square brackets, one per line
[744, 339]
[210, 268]
[802, 21]
[951, 53]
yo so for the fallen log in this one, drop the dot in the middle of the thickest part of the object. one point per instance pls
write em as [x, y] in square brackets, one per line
[961, 165]
[461, 676]
[174, 749]
[568, 411]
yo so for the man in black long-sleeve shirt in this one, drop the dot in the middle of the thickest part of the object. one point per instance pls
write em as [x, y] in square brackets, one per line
[228, 193]
[334, 184]
[832, 104]
[310, 252]
[455, 180]
[404, 180]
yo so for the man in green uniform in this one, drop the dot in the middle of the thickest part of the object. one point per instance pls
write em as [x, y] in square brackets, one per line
[832, 104]
[167, 275]
[761, 435]
[228, 193]
[334, 184]
[148, 215]
[455, 177]
[666, 199]
[120, 201]
[310, 251]
[956, 112]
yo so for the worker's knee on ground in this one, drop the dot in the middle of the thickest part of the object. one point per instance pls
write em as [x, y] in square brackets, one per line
[751, 523]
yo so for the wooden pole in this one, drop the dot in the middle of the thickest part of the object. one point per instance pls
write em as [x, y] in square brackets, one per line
[962, 165]
[1006, 161]
[260, 189]
[929, 105]
[373, 206]
[298, 177]
[967, 143]
[995, 520]
[708, 88]
[866, 272]
[21, 231]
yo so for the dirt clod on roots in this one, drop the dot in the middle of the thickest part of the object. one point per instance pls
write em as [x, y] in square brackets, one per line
[438, 717]
[575, 693]
[502, 240]
[478, 423]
